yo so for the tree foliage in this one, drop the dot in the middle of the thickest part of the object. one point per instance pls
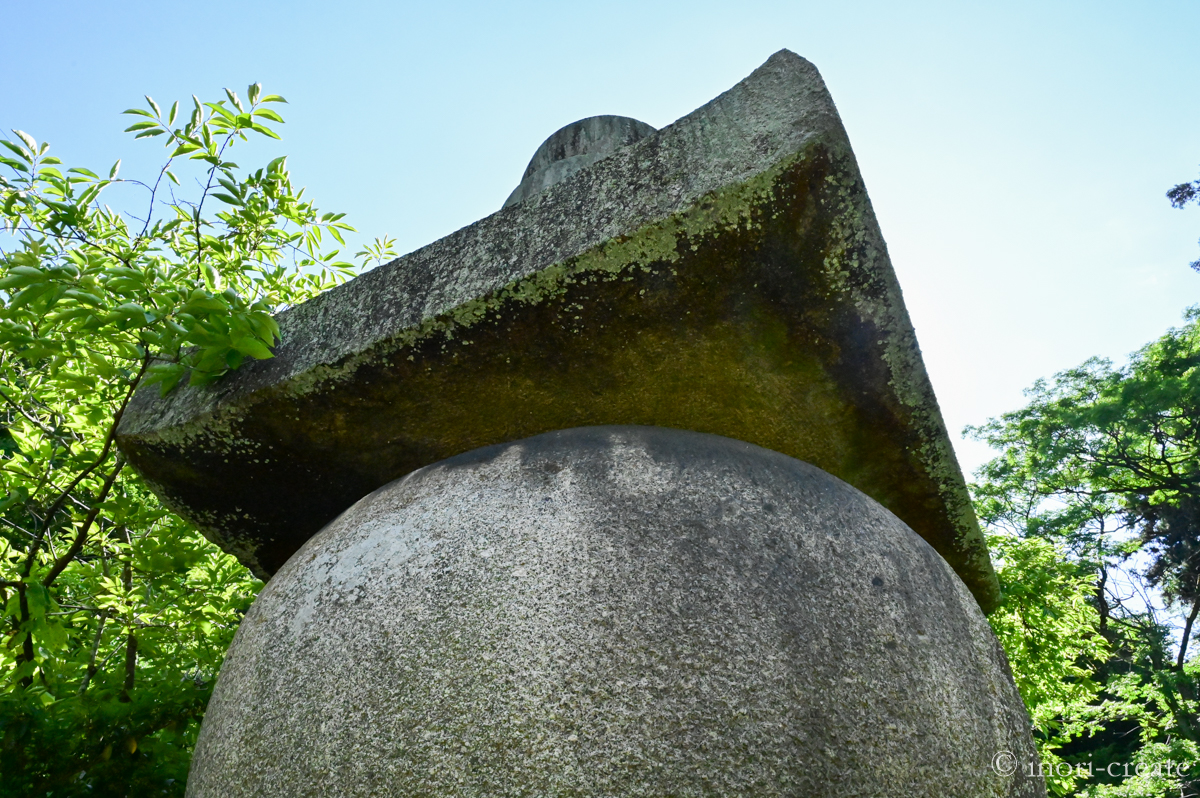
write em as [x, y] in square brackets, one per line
[116, 613]
[1093, 506]
[1180, 196]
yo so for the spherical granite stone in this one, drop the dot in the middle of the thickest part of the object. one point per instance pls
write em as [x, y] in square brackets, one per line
[573, 147]
[615, 611]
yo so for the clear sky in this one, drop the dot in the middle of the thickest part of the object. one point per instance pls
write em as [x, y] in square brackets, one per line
[1016, 153]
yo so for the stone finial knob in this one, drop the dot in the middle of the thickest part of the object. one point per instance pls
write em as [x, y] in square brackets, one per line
[573, 147]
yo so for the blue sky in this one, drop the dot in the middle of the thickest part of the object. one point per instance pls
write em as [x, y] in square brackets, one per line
[1017, 154]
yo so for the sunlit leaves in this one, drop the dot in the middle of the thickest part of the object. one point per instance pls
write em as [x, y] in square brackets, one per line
[380, 250]
[177, 289]
[1097, 486]
[1101, 441]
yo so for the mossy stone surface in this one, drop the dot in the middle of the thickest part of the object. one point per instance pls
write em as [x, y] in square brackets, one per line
[615, 611]
[725, 275]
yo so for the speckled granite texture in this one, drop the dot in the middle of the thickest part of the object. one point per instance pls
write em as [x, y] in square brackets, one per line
[574, 147]
[614, 611]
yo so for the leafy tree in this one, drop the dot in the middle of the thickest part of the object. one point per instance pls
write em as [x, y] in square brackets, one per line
[1119, 450]
[115, 613]
[1180, 196]
[1103, 465]
[1050, 632]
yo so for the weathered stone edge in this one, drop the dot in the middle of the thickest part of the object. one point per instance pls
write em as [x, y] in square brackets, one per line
[751, 127]
[459, 278]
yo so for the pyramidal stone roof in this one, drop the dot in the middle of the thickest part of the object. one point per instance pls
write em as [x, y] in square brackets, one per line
[725, 274]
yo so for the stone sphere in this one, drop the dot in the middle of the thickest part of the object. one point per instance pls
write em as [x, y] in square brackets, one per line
[574, 147]
[616, 611]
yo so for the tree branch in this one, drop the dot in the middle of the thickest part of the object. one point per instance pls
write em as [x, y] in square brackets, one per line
[1187, 634]
[91, 666]
[62, 497]
[62, 562]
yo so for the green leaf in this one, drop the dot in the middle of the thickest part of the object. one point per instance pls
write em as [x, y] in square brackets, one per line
[220, 110]
[267, 113]
[273, 98]
[38, 598]
[20, 276]
[53, 636]
[203, 302]
[84, 296]
[112, 173]
[29, 295]
[28, 139]
[26, 669]
[252, 92]
[138, 111]
[79, 170]
[154, 105]
[266, 131]
[17, 150]
[167, 375]
[252, 347]
[174, 110]
[132, 312]
[89, 195]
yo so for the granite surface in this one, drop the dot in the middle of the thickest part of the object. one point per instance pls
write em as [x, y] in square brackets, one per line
[615, 611]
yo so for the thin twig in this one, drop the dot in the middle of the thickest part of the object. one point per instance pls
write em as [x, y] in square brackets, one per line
[108, 442]
[62, 562]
